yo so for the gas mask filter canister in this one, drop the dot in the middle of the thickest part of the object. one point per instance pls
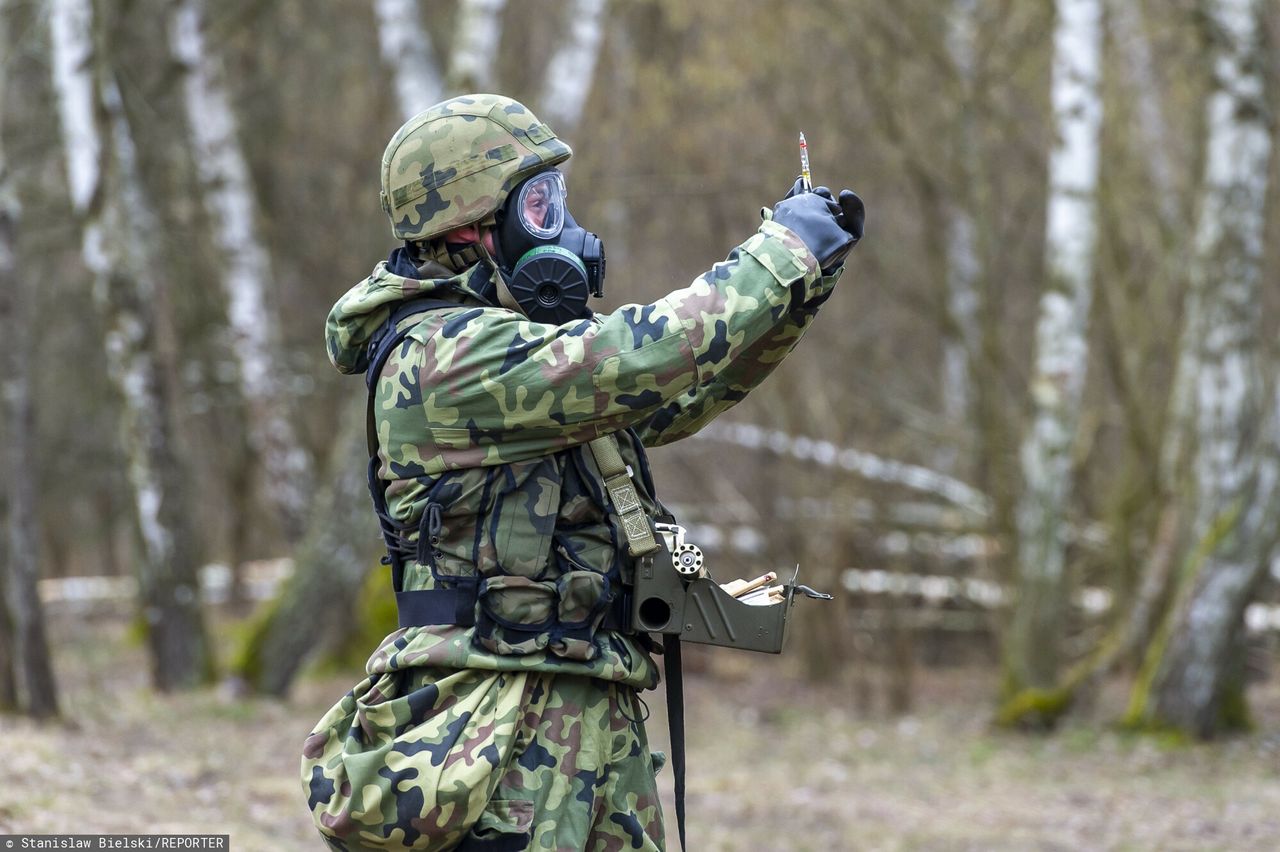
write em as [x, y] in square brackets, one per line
[550, 264]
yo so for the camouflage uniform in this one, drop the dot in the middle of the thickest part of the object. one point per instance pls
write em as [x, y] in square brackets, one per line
[501, 735]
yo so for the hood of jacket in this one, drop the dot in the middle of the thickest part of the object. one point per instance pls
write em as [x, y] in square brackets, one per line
[362, 310]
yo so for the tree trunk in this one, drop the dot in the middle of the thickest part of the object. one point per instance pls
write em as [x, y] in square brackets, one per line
[317, 604]
[117, 229]
[1032, 652]
[30, 649]
[406, 50]
[475, 44]
[1156, 574]
[960, 342]
[1185, 683]
[26, 671]
[15, 405]
[572, 69]
[254, 324]
[8, 675]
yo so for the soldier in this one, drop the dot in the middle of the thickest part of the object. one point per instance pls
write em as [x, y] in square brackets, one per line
[503, 714]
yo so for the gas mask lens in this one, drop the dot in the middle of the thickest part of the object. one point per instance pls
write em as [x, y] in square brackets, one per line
[541, 205]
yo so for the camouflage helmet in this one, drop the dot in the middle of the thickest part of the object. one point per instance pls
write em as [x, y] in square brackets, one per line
[455, 163]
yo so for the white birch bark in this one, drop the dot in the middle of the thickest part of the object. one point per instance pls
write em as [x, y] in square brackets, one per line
[1061, 353]
[255, 326]
[117, 228]
[1236, 464]
[962, 254]
[1226, 274]
[475, 44]
[406, 49]
[867, 465]
[572, 69]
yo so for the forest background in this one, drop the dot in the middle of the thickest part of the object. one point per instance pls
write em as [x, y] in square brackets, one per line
[1032, 443]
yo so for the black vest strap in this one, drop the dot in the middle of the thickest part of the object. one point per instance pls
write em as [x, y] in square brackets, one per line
[437, 606]
[457, 605]
[384, 340]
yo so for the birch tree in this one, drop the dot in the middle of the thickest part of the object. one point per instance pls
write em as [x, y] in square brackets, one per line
[1132, 629]
[406, 50]
[254, 324]
[571, 70]
[962, 252]
[1186, 680]
[475, 44]
[1061, 347]
[117, 230]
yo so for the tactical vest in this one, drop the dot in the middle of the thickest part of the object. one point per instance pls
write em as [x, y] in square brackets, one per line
[535, 555]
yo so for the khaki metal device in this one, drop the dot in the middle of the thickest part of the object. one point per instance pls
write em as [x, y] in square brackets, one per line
[675, 596]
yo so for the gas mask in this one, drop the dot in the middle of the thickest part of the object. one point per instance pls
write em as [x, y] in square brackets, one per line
[550, 264]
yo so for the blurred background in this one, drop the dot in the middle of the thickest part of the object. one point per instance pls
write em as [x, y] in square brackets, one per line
[1032, 444]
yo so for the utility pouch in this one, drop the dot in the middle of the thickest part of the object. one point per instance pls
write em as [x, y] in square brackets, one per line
[515, 614]
[584, 598]
[695, 608]
[519, 616]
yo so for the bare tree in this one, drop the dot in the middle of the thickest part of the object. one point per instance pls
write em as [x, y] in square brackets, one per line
[1057, 385]
[571, 70]
[406, 48]
[26, 672]
[1187, 682]
[961, 340]
[118, 230]
[254, 323]
[24, 621]
[475, 44]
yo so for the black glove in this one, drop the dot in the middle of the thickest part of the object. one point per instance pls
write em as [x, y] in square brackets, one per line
[829, 228]
[853, 212]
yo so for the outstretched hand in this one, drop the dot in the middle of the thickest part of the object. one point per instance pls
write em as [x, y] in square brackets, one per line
[829, 226]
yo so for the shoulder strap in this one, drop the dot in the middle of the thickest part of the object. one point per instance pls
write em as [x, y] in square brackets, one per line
[622, 494]
[386, 339]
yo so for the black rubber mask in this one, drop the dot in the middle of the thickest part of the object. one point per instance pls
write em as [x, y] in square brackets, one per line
[550, 264]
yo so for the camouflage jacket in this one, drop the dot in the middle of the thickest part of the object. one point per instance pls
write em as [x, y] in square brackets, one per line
[482, 420]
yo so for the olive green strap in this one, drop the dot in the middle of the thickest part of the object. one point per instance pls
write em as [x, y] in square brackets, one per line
[623, 496]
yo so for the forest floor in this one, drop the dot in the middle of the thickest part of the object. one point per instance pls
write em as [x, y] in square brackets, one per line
[774, 764]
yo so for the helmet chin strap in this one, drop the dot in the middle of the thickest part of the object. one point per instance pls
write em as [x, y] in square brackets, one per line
[505, 297]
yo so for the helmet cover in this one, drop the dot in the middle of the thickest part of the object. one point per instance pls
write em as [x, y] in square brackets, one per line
[456, 162]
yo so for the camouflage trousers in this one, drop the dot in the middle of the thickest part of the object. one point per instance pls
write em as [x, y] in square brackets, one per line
[484, 760]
